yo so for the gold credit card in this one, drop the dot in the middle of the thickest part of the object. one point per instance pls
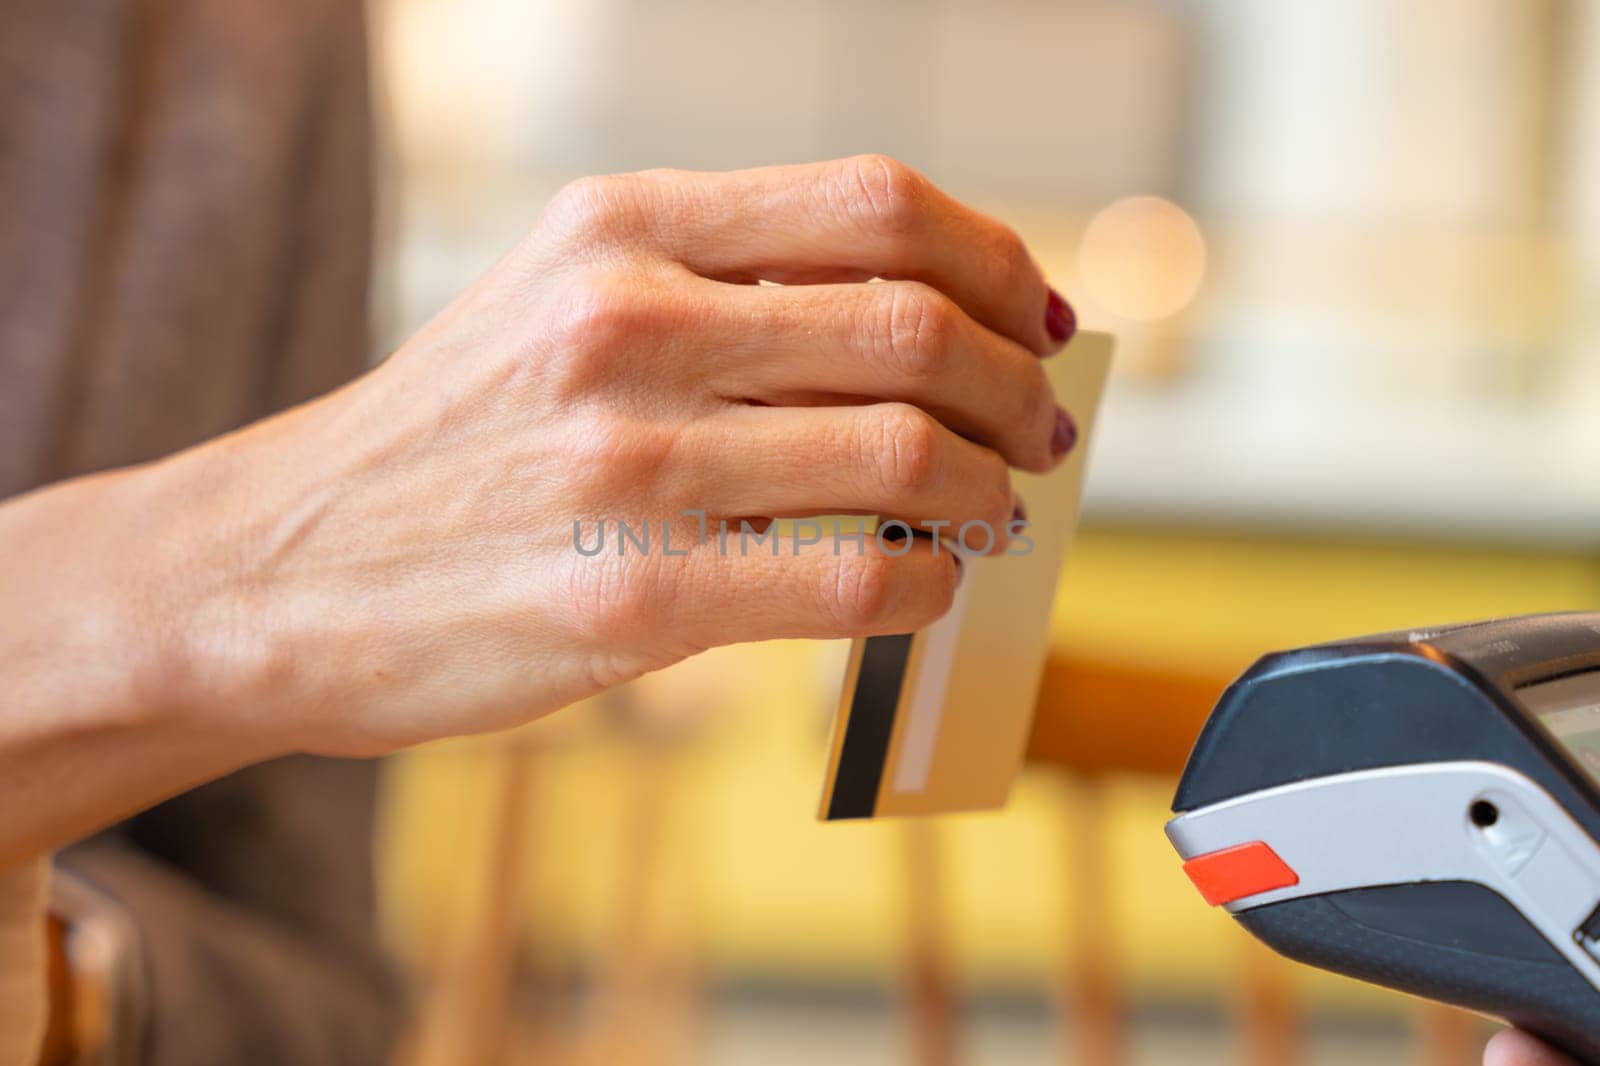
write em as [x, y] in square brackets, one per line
[938, 721]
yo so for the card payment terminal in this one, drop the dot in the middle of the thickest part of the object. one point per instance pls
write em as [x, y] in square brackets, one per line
[1420, 810]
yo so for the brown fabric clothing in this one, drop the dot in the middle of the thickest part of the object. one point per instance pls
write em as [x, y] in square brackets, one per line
[186, 236]
[252, 898]
[185, 232]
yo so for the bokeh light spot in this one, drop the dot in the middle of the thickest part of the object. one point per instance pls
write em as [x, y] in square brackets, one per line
[1143, 258]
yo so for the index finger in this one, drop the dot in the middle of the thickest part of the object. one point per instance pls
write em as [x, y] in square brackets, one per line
[851, 219]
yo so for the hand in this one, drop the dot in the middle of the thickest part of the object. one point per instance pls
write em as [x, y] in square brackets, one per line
[1513, 1047]
[397, 562]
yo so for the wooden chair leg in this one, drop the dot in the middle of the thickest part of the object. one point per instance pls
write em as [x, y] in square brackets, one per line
[1448, 1036]
[931, 995]
[1269, 1012]
[1094, 1005]
[646, 996]
[467, 1019]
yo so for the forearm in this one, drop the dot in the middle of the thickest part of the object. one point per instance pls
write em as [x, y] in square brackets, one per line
[103, 712]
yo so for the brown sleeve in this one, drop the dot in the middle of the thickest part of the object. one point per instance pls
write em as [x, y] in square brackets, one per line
[252, 901]
[322, 344]
[188, 251]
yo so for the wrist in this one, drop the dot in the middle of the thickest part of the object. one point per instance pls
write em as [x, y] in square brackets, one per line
[207, 657]
[258, 630]
[119, 691]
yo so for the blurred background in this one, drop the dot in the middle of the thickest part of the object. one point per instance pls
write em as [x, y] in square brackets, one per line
[1351, 252]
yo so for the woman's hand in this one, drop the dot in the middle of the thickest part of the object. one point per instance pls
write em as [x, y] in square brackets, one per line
[1513, 1047]
[397, 561]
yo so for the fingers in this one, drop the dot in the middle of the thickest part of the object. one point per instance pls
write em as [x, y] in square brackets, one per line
[818, 593]
[852, 219]
[898, 340]
[890, 459]
[1513, 1047]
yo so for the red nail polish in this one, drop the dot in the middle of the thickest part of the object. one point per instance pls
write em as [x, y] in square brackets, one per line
[1065, 434]
[1060, 321]
[1019, 513]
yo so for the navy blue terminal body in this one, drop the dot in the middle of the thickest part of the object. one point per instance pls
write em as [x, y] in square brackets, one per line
[1402, 699]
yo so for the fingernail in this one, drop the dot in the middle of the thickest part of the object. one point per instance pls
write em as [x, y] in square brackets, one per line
[961, 567]
[1019, 513]
[1060, 321]
[1064, 436]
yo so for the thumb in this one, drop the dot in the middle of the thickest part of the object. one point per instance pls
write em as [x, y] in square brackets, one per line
[1513, 1047]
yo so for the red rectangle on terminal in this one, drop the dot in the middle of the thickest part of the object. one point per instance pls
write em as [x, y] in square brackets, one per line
[1235, 873]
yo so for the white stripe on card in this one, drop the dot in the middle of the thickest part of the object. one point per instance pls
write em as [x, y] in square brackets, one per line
[928, 692]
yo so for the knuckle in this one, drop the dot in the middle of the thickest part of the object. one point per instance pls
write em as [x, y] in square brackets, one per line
[587, 327]
[593, 207]
[600, 300]
[862, 594]
[604, 315]
[600, 594]
[621, 603]
[573, 206]
[1044, 425]
[1011, 255]
[592, 198]
[1036, 415]
[914, 338]
[902, 443]
[1003, 260]
[624, 605]
[947, 575]
[994, 501]
[624, 453]
[887, 196]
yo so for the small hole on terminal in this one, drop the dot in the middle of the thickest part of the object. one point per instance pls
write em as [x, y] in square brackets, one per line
[1484, 814]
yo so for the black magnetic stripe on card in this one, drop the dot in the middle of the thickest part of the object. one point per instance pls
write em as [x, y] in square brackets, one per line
[870, 726]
